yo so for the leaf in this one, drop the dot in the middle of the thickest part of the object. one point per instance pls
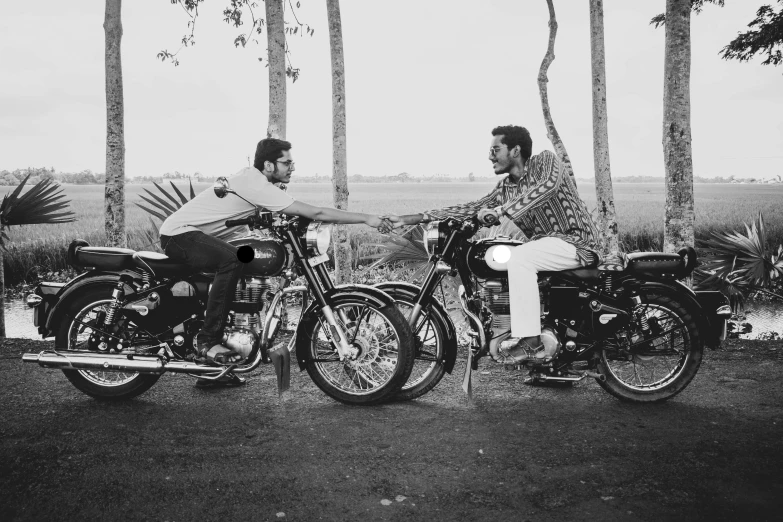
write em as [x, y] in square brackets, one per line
[159, 203]
[156, 214]
[180, 194]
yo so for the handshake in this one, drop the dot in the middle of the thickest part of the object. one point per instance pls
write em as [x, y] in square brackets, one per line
[388, 222]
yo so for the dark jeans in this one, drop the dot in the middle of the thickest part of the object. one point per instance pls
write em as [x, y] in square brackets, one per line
[209, 254]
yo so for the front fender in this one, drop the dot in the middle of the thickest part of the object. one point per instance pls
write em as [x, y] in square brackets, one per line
[408, 292]
[335, 296]
[73, 289]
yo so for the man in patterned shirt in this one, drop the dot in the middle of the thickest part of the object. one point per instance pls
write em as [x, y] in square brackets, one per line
[542, 200]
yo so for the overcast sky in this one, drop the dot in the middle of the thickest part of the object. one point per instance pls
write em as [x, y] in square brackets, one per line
[426, 82]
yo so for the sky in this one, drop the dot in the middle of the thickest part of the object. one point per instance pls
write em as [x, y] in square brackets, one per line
[426, 82]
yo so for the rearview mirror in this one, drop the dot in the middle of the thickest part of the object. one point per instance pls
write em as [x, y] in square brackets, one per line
[221, 187]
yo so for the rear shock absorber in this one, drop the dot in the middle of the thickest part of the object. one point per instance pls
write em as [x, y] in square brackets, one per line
[116, 302]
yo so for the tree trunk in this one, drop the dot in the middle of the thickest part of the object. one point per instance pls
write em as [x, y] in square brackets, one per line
[115, 129]
[551, 132]
[342, 244]
[679, 220]
[607, 218]
[275, 37]
[2, 294]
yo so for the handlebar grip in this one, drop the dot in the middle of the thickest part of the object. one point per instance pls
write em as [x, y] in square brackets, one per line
[238, 222]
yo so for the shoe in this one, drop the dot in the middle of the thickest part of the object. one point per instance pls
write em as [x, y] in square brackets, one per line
[212, 352]
[520, 350]
[227, 381]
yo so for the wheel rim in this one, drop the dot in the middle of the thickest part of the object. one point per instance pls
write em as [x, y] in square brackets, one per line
[78, 334]
[378, 344]
[429, 346]
[656, 364]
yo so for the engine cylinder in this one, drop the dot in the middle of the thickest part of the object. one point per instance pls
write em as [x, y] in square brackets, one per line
[494, 293]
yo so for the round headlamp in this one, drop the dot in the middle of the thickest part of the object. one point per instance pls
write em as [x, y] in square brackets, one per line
[318, 237]
[432, 238]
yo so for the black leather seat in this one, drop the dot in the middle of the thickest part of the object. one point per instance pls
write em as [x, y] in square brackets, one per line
[101, 258]
[159, 265]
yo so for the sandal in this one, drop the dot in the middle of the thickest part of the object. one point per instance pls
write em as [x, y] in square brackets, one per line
[517, 351]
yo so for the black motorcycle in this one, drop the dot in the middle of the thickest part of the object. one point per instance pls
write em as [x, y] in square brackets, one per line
[639, 331]
[132, 316]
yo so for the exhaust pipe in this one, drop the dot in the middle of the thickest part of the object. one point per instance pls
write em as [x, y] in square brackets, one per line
[115, 363]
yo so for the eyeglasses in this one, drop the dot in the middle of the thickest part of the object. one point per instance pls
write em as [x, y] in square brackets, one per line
[288, 164]
[494, 150]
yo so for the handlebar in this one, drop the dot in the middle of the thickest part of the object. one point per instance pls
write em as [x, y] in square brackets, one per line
[239, 222]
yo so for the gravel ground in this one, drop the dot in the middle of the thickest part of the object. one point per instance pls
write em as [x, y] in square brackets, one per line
[514, 452]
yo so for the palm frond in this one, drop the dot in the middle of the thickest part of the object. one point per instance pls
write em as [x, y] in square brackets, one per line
[738, 264]
[407, 248]
[43, 203]
[159, 202]
[158, 215]
[180, 194]
[165, 193]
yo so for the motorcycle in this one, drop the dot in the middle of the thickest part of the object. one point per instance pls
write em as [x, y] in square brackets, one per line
[132, 316]
[637, 329]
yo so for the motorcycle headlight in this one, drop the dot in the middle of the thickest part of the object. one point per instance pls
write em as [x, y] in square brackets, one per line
[318, 237]
[432, 238]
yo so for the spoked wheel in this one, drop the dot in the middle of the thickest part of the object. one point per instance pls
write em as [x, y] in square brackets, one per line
[384, 356]
[76, 333]
[429, 366]
[659, 355]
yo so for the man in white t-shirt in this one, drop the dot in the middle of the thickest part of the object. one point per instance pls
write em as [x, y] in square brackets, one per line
[187, 235]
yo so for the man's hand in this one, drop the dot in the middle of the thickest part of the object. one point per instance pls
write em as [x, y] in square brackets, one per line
[388, 223]
[489, 216]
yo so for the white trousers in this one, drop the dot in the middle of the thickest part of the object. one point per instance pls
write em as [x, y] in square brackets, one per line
[546, 254]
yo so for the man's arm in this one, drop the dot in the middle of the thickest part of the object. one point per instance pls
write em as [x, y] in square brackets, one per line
[331, 215]
[462, 211]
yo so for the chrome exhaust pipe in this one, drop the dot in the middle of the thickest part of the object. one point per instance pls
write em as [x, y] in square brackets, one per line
[116, 363]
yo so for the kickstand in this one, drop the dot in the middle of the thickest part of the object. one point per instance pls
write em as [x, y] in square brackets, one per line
[467, 380]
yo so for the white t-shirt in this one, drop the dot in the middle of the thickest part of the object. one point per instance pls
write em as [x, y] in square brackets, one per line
[208, 213]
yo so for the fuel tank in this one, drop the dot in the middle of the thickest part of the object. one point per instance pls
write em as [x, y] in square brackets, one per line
[270, 256]
[487, 258]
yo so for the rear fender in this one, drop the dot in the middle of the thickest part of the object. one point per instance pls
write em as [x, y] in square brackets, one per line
[335, 296]
[687, 296]
[409, 292]
[72, 290]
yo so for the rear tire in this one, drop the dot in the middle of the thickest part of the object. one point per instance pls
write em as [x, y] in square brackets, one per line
[103, 386]
[662, 368]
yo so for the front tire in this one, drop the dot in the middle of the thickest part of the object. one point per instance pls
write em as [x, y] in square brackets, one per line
[104, 386]
[658, 369]
[429, 367]
[385, 345]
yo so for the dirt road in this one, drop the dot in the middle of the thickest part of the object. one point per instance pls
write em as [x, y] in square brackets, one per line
[515, 452]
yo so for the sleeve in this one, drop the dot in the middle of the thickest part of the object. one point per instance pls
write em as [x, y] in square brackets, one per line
[465, 210]
[266, 195]
[548, 171]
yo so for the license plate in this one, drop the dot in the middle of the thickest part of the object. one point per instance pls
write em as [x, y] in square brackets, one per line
[317, 260]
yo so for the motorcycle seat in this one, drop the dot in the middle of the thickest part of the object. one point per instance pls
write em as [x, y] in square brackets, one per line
[657, 263]
[103, 258]
[584, 274]
[160, 265]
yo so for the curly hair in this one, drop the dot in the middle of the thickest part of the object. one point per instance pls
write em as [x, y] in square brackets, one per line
[269, 149]
[514, 135]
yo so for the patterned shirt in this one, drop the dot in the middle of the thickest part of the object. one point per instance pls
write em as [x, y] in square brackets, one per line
[545, 203]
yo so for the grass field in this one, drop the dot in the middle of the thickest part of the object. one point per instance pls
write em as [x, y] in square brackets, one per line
[37, 249]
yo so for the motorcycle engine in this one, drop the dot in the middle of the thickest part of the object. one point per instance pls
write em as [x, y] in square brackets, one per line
[252, 299]
[494, 294]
